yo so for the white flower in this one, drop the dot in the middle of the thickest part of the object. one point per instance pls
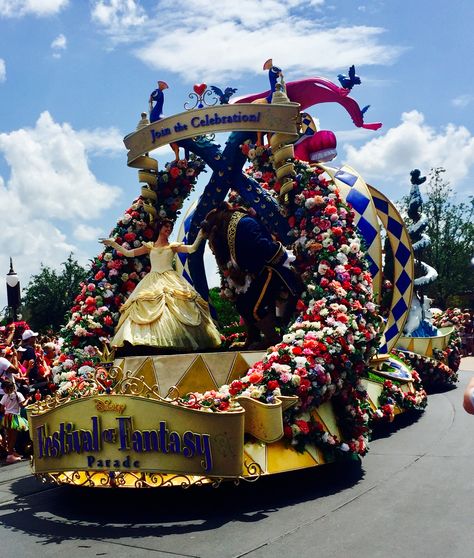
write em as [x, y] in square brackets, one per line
[322, 268]
[68, 364]
[299, 334]
[288, 338]
[344, 447]
[80, 331]
[341, 257]
[296, 380]
[354, 247]
[300, 361]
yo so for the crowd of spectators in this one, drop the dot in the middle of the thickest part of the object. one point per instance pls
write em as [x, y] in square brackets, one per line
[26, 362]
[467, 333]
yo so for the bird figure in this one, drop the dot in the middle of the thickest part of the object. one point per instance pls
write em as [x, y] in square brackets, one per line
[225, 95]
[416, 177]
[274, 72]
[349, 81]
[156, 111]
[157, 96]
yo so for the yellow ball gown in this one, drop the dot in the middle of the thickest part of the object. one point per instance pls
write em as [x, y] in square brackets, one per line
[164, 311]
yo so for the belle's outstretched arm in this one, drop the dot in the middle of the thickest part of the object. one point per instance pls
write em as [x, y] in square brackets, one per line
[190, 248]
[127, 253]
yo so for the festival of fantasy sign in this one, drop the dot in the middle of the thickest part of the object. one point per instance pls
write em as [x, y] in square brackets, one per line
[129, 433]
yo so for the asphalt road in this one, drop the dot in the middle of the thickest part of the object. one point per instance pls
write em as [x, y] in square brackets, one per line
[412, 496]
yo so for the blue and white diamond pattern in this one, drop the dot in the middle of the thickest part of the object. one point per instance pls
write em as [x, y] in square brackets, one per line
[403, 269]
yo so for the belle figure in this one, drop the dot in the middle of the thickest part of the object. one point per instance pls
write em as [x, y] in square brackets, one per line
[164, 311]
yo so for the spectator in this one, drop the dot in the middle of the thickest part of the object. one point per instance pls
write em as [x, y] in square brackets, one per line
[12, 421]
[7, 370]
[468, 402]
[28, 356]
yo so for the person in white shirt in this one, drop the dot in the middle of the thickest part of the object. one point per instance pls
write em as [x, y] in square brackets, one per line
[7, 372]
[12, 421]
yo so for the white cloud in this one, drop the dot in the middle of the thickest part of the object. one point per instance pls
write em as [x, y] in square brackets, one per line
[19, 8]
[87, 233]
[462, 101]
[49, 164]
[3, 70]
[59, 44]
[183, 37]
[292, 46]
[102, 141]
[415, 144]
[119, 18]
[50, 186]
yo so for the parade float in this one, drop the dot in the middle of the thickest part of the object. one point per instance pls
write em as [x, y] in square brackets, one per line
[434, 351]
[161, 418]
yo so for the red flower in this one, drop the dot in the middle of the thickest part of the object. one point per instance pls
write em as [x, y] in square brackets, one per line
[255, 377]
[130, 237]
[175, 172]
[297, 351]
[148, 233]
[272, 385]
[235, 387]
[224, 406]
[330, 210]
[337, 231]
[99, 275]
[303, 426]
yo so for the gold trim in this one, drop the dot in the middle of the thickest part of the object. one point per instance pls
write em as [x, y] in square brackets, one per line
[262, 293]
[232, 233]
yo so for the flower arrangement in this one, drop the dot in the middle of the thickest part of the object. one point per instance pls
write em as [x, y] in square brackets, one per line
[451, 316]
[324, 353]
[393, 396]
[433, 373]
[75, 371]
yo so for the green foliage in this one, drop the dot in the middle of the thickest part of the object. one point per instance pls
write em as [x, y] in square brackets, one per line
[451, 230]
[226, 313]
[50, 294]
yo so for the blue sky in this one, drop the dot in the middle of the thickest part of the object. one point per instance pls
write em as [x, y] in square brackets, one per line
[75, 75]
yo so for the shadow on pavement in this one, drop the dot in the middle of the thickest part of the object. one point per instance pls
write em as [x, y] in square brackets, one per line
[386, 429]
[72, 513]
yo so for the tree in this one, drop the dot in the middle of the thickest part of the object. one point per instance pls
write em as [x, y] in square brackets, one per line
[451, 230]
[50, 294]
[225, 310]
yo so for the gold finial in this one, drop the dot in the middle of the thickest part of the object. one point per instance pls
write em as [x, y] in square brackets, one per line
[279, 96]
[143, 122]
